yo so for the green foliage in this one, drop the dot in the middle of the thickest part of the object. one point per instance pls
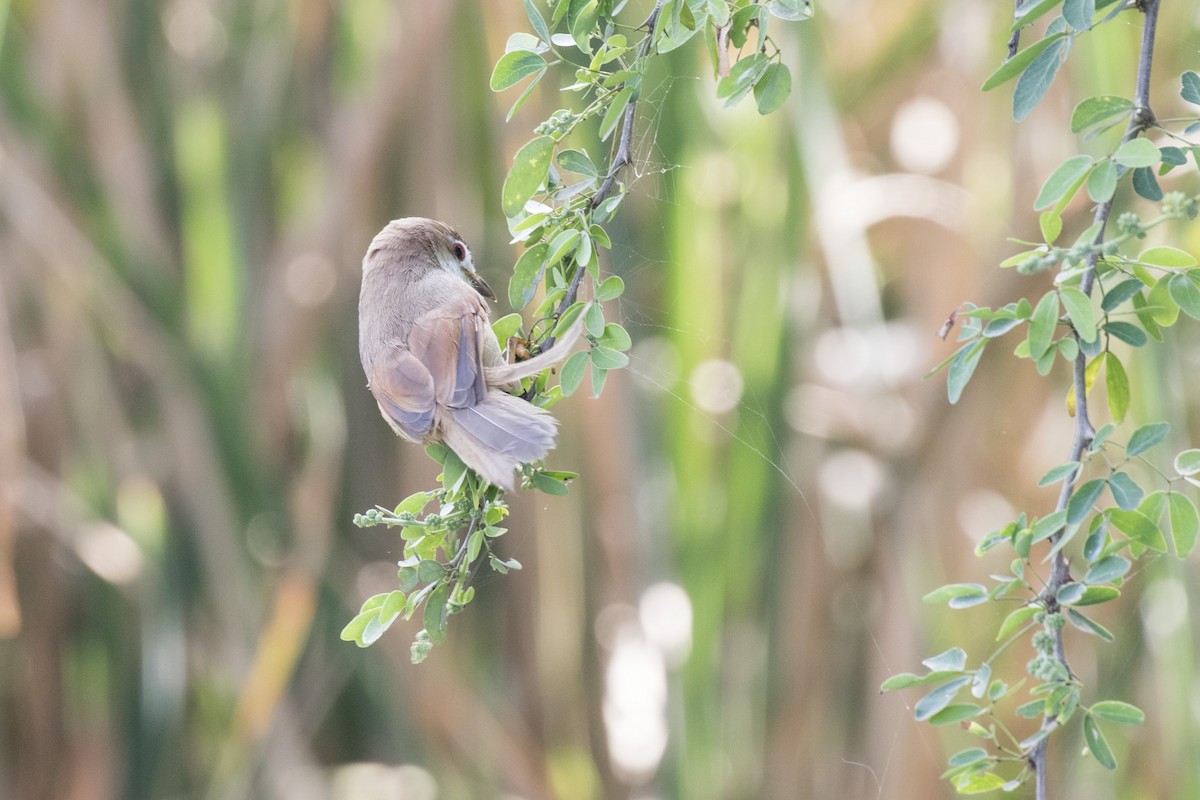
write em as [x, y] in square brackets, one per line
[1117, 297]
[557, 199]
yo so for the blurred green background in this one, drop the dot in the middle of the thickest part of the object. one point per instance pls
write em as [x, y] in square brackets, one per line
[186, 191]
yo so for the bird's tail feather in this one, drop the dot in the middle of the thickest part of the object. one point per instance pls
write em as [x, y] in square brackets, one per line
[510, 373]
[496, 436]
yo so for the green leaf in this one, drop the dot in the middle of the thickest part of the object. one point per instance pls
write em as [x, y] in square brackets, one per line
[599, 377]
[970, 756]
[1145, 314]
[1051, 224]
[573, 371]
[610, 289]
[544, 483]
[956, 713]
[1172, 157]
[408, 578]
[1058, 473]
[1030, 710]
[1191, 87]
[435, 614]
[902, 681]
[1138, 527]
[530, 167]
[1185, 290]
[1030, 11]
[561, 245]
[938, 699]
[568, 318]
[581, 20]
[1017, 64]
[951, 591]
[1016, 619]
[962, 367]
[907, 680]
[1036, 79]
[1106, 570]
[1097, 743]
[998, 327]
[429, 571]
[1166, 256]
[392, 606]
[1146, 437]
[353, 632]
[1146, 185]
[1188, 462]
[523, 96]
[412, 504]
[1070, 593]
[1126, 332]
[522, 41]
[1117, 384]
[1153, 505]
[615, 337]
[1049, 525]
[612, 117]
[593, 320]
[1042, 325]
[741, 78]
[537, 21]
[1079, 13]
[978, 783]
[1102, 181]
[1094, 595]
[773, 88]
[953, 659]
[1081, 502]
[1124, 490]
[1079, 309]
[606, 359]
[1118, 712]
[1094, 110]
[1185, 523]
[453, 470]
[506, 327]
[600, 236]
[1137, 153]
[791, 10]
[514, 66]
[1118, 294]
[577, 161]
[1088, 626]
[1164, 310]
[526, 275]
[1063, 182]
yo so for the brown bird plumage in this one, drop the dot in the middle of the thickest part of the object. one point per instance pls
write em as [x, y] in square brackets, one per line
[431, 359]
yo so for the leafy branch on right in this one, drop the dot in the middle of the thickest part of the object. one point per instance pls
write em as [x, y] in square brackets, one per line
[1118, 505]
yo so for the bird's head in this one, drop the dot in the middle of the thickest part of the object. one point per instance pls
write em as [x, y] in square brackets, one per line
[420, 243]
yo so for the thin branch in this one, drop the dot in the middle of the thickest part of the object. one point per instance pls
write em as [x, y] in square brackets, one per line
[622, 158]
[1060, 572]
[1014, 41]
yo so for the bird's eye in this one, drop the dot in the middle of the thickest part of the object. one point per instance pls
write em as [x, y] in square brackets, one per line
[460, 250]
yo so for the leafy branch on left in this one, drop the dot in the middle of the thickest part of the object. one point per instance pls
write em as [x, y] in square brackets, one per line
[564, 186]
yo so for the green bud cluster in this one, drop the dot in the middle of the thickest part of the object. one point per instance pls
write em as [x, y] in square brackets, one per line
[1177, 205]
[559, 124]
[1130, 224]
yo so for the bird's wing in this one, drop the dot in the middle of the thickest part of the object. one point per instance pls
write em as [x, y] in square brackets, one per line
[404, 390]
[448, 341]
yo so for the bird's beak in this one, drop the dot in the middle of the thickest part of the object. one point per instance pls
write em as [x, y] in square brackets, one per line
[480, 285]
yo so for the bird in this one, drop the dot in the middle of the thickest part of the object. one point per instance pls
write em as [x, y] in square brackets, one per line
[431, 359]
